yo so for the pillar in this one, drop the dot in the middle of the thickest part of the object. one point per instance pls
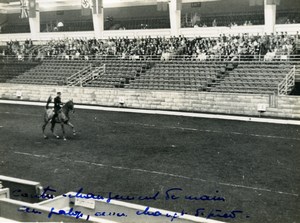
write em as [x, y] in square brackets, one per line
[175, 16]
[98, 22]
[34, 24]
[270, 17]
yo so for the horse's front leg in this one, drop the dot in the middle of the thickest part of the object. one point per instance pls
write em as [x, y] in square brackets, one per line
[72, 126]
[43, 127]
[63, 131]
[52, 130]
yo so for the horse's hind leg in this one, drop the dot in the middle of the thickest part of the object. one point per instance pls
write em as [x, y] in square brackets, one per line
[43, 127]
[72, 126]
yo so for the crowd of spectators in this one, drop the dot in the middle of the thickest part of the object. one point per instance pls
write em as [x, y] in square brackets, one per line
[227, 47]
[18, 49]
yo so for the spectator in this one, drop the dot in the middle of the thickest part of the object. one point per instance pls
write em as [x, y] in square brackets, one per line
[160, 47]
[214, 23]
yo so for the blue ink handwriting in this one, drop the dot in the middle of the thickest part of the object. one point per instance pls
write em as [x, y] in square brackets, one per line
[29, 210]
[170, 194]
[44, 195]
[200, 212]
[105, 214]
[71, 212]
[84, 196]
[158, 213]
[216, 213]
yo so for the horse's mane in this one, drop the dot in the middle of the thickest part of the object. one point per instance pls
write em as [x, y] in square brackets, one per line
[68, 103]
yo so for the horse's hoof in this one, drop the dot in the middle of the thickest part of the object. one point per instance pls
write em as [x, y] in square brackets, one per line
[65, 139]
[57, 137]
[45, 137]
[74, 133]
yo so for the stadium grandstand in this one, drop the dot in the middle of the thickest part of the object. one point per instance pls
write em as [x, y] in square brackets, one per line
[188, 111]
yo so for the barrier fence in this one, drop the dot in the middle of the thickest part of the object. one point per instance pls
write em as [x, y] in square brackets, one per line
[163, 57]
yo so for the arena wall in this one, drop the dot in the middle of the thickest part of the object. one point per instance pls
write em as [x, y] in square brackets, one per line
[234, 104]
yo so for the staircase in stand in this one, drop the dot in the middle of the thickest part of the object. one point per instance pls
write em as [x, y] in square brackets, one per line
[297, 72]
[286, 86]
[86, 75]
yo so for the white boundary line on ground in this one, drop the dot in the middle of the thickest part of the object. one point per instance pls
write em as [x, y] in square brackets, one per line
[172, 113]
[157, 173]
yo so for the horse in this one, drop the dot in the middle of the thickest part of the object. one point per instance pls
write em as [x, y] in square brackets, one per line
[62, 118]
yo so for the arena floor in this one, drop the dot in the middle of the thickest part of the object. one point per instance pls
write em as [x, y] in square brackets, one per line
[253, 166]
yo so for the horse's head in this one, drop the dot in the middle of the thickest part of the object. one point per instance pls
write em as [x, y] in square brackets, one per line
[70, 106]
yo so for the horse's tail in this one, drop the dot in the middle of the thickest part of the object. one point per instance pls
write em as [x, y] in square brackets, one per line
[48, 102]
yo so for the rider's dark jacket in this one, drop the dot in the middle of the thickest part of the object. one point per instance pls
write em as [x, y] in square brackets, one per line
[57, 104]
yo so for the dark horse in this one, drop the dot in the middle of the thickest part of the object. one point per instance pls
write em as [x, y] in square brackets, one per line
[62, 118]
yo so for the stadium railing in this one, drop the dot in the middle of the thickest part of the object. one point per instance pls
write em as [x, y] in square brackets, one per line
[163, 57]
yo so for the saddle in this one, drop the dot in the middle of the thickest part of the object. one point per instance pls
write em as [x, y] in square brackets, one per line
[60, 116]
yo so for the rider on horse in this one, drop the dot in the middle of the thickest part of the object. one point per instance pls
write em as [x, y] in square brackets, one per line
[61, 115]
[57, 106]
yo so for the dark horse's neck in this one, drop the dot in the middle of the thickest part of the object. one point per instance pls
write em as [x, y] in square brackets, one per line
[66, 109]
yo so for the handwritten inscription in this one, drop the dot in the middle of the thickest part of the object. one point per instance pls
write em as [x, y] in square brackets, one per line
[172, 194]
[216, 213]
[157, 213]
[106, 213]
[29, 210]
[200, 212]
[44, 195]
[70, 212]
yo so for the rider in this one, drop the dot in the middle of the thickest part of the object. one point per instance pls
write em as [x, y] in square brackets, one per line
[57, 106]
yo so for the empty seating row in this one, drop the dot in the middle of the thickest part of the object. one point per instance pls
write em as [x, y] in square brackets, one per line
[117, 72]
[167, 87]
[176, 76]
[11, 70]
[160, 75]
[49, 75]
[254, 78]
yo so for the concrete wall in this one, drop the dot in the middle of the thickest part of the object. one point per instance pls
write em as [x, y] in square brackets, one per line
[283, 107]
